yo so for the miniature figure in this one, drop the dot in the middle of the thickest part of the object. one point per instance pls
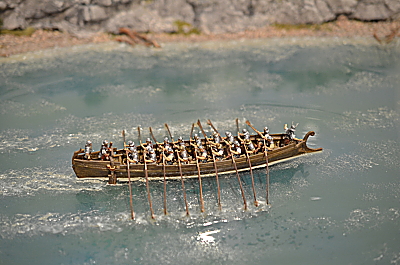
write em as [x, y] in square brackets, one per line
[103, 155]
[88, 150]
[201, 154]
[133, 156]
[290, 131]
[168, 154]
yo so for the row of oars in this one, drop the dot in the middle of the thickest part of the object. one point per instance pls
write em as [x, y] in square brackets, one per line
[198, 171]
[234, 165]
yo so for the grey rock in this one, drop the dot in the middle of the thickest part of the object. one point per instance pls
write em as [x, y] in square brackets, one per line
[179, 9]
[393, 5]
[210, 16]
[54, 6]
[263, 7]
[371, 10]
[74, 30]
[141, 19]
[3, 5]
[42, 8]
[127, 1]
[288, 13]
[341, 6]
[83, 2]
[227, 16]
[93, 13]
[303, 12]
[208, 22]
[103, 2]
[13, 3]
[14, 21]
[50, 7]
[309, 13]
[324, 10]
[31, 9]
[71, 15]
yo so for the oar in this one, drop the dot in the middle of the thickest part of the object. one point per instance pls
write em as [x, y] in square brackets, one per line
[130, 187]
[234, 165]
[169, 132]
[183, 183]
[139, 137]
[248, 160]
[257, 131]
[147, 178]
[148, 189]
[267, 174]
[129, 179]
[240, 182]
[212, 126]
[237, 126]
[123, 136]
[266, 162]
[191, 133]
[215, 165]
[112, 179]
[165, 182]
[198, 174]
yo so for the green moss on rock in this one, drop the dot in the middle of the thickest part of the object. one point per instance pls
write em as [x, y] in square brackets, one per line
[323, 26]
[26, 32]
[185, 28]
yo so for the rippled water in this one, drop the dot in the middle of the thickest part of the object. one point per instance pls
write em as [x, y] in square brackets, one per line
[340, 206]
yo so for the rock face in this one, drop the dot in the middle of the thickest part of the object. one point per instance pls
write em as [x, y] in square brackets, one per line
[209, 16]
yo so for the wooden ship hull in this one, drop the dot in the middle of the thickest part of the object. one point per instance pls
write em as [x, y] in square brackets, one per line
[96, 168]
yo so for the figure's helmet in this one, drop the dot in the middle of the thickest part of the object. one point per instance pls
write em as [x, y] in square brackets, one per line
[148, 140]
[105, 142]
[180, 138]
[131, 143]
[266, 130]
[195, 136]
[236, 143]
[89, 142]
[166, 140]
[244, 131]
[228, 134]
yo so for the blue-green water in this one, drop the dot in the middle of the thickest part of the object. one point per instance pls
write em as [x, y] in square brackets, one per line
[340, 206]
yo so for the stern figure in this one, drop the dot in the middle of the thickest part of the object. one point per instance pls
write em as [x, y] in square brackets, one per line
[290, 131]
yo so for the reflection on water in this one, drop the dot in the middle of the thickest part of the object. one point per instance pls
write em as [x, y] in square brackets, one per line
[343, 199]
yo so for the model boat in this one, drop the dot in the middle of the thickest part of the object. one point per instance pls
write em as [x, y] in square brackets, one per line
[280, 149]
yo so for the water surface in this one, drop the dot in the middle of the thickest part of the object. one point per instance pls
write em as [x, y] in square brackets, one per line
[340, 206]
